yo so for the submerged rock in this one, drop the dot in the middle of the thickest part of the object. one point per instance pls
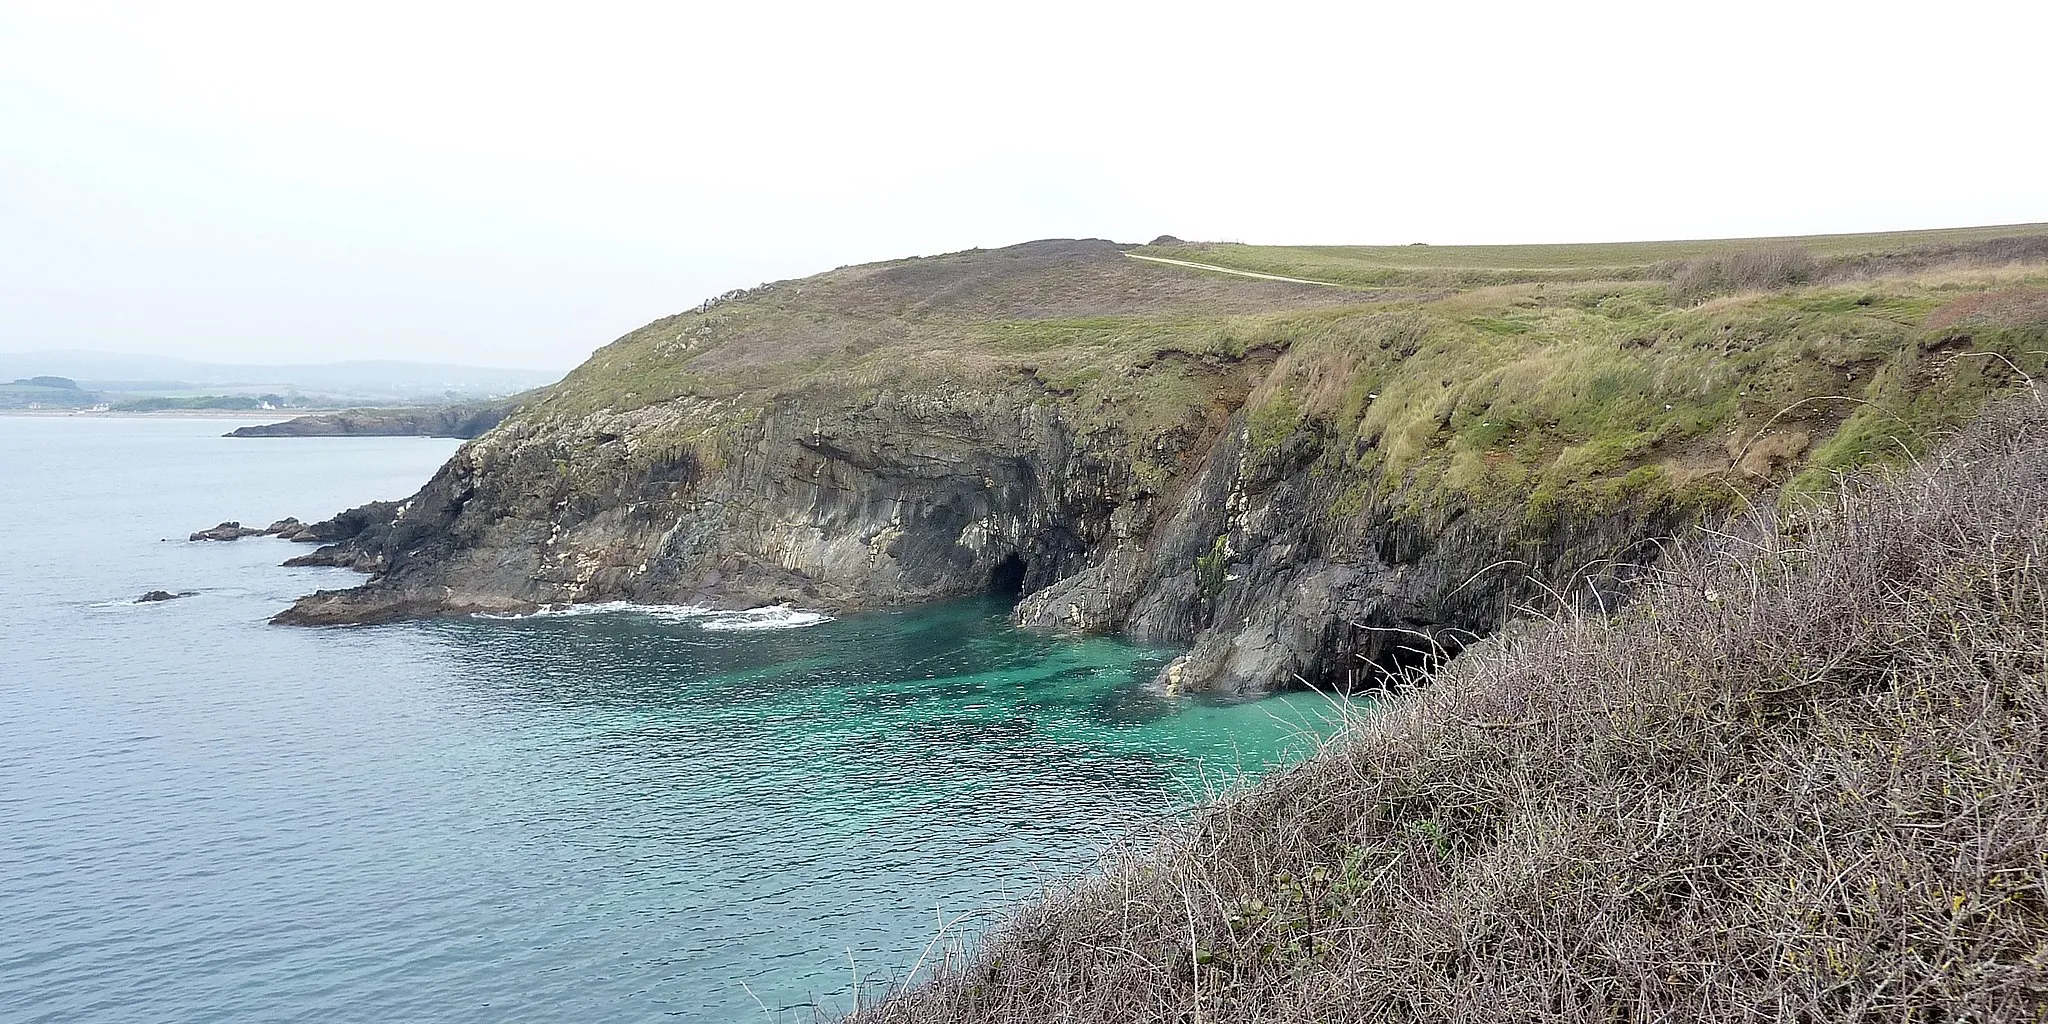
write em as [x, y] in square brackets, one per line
[164, 595]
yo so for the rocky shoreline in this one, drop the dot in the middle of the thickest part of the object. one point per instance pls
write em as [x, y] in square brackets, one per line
[1303, 485]
[286, 529]
[342, 527]
[860, 511]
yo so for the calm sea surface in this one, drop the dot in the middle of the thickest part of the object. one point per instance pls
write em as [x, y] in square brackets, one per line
[617, 816]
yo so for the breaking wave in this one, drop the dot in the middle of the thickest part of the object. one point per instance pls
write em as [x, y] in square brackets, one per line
[724, 620]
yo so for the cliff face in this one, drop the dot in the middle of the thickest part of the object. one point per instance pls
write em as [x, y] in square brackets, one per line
[811, 499]
[1300, 483]
[1250, 565]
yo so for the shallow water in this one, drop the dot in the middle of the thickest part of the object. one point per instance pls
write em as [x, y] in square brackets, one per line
[611, 815]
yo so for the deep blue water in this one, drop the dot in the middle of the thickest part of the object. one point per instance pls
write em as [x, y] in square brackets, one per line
[619, 816]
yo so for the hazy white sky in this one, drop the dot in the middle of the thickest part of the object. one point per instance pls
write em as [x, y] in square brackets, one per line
[514, 185]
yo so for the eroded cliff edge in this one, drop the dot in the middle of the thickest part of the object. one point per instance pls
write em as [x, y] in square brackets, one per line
[1299, 482]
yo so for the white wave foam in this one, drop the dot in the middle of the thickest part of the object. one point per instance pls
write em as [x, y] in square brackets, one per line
[772, 617]
[777, 617]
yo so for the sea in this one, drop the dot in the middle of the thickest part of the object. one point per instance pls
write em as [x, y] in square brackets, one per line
[608, 813]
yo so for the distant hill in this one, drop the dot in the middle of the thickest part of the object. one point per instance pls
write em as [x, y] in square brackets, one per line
[45, 392]
[126, 374]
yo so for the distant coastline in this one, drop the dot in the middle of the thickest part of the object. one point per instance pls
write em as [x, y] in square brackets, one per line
[462, 421]
[465, 420]
[253, 415]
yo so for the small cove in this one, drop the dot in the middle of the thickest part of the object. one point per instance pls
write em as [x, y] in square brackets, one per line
[619, 815]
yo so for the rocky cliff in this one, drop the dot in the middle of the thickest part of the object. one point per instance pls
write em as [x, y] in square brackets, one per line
[1302, 483]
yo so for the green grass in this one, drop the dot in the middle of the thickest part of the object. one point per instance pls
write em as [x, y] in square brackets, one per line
[1579, 406]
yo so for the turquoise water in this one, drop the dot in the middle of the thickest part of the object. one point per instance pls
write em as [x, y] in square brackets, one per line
[626, 815]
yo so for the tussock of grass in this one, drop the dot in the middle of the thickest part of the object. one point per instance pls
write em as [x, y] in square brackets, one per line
[1803, 777]
[1747, 270]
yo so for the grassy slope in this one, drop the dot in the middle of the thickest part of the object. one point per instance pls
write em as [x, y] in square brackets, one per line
[1068, 322]
[1523, 382]
[1805, 777]
[1550, 397]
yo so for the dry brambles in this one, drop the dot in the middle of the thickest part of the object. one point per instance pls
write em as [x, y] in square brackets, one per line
[1801, 778]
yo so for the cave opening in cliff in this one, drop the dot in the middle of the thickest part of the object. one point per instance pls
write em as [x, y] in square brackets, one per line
[1006, 580]
[1390, 654]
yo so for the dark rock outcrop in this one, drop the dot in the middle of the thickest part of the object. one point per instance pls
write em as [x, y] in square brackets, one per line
[351, 540]
[156, 596]
[466, 421]
[288, 528]
[1272, 590]
[230, 530]
[906, 501]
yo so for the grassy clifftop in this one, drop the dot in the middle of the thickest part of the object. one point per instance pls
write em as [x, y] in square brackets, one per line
[1551, 396]
[1526, 382]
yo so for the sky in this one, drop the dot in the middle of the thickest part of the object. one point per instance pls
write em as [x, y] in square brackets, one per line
[514, 185]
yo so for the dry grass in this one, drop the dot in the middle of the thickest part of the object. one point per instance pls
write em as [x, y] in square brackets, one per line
[1991, 309]
[1747, 270]
[1803, 778]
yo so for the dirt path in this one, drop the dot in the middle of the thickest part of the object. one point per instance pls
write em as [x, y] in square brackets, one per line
[1227, 270]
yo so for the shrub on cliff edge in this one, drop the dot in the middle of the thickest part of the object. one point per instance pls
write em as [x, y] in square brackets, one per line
[1803, 777]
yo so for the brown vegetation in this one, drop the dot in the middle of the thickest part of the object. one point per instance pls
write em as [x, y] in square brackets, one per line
[1744, 271]
[1992, 309]
[1803, 778]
